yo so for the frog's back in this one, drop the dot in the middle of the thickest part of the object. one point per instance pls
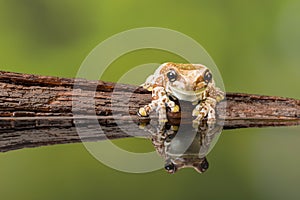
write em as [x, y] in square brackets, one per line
[185, 66]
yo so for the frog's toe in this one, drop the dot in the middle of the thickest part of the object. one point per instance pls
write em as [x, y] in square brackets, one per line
[195, 113]
[142, 112]
[175, 109]
[220, 98]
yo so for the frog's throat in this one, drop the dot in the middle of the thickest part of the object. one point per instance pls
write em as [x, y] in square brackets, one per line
[187, 95]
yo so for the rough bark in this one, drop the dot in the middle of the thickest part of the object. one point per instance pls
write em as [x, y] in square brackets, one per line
[37, 110]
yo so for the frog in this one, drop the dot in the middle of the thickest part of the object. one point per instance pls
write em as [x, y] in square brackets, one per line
[182, 81]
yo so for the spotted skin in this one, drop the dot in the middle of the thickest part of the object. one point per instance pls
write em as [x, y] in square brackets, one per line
[188, 82]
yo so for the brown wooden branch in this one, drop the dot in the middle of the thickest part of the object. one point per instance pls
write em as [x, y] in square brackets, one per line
[37, 110]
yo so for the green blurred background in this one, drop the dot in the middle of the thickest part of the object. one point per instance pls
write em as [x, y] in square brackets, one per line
[256, 46]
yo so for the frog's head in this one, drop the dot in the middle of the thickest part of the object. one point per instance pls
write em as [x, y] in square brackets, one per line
[186, 81]
[199, 164]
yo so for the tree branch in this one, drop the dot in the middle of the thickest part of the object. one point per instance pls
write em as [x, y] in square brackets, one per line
[37, 110]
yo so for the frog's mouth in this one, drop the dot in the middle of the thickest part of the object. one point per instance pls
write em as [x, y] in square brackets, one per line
[187, 95]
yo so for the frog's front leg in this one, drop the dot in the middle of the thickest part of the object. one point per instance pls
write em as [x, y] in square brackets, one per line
[159, 102]
[205, 108]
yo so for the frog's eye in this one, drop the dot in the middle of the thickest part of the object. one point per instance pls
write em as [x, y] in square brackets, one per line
[170, 167]
[203, 166]
[207, 77]
[172, 75]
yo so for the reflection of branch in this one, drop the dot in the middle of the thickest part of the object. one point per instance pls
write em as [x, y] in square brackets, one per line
[37, 111]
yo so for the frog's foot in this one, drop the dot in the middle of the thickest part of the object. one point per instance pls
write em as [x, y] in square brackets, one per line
[160, 101]
[142, 112]
[145, 111]
[201, 116]
[205, 109]
[200, 113]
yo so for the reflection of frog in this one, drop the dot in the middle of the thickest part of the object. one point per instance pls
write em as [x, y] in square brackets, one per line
[188, 82]
[185, 147]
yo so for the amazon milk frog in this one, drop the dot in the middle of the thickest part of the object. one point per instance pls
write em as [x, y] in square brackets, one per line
[188, 82]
